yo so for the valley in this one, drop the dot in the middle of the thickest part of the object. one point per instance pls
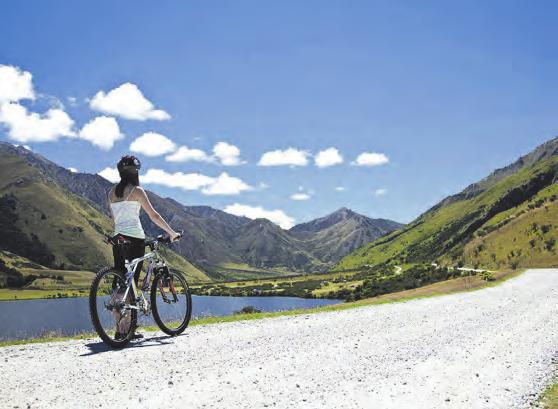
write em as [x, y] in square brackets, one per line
[505, 222]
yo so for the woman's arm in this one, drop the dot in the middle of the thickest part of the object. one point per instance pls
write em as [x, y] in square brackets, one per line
[140, 195]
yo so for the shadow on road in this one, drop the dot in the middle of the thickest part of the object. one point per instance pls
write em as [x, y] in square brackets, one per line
[99, 347]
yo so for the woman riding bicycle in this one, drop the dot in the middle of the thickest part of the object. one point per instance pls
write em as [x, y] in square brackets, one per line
[125, 201]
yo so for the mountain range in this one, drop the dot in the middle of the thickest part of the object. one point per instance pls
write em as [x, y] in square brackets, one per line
[505, 221]
[57, 218]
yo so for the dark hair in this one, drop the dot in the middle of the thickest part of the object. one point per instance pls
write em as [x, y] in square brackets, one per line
[128, 168]
[126, 178]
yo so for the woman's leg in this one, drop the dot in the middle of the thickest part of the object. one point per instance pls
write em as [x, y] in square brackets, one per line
[137, 249]
[122, 323]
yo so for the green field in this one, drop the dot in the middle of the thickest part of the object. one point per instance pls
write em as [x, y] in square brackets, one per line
[311, 285]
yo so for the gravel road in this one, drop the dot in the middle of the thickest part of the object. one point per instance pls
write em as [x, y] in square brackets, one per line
[494, 348]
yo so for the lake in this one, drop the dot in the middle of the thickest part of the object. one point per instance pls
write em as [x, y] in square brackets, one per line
[25, 319]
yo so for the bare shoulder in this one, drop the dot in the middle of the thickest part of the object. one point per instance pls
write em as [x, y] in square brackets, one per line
[139, 193]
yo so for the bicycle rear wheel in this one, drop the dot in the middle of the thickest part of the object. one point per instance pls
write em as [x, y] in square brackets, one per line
[171, 302]
[110, 314]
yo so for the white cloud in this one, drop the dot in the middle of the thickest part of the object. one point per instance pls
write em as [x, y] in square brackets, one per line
[185, 181]
[185, 154]
[73, 170]
[110, 174]
[278, 217]
[221, 185]
[225, 153]
[290, 157]
[340, 188]
[15, 84]
[226, 185]
[371, 159]
[128, 102]
[379, 192]
[300, 196]
[228, 155]
[72, 101]
[152, 144]
[32, 127]
[101, 131]
[328, 157]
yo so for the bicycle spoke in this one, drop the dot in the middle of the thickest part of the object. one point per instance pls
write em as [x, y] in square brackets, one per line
[171, 302]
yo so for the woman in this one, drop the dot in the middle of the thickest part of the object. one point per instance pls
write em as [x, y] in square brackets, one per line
[125, 200]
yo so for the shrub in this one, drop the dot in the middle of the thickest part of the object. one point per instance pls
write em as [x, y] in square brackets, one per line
[549, 244]
[249, 309]
[486, 276]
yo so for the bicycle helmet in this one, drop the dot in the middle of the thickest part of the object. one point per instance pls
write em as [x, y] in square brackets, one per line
[128, 163]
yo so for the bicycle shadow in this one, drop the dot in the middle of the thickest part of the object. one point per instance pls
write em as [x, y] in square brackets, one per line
[100, 347]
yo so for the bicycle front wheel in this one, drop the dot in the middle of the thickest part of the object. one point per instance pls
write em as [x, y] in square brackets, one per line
[171, 302]
[111, 316]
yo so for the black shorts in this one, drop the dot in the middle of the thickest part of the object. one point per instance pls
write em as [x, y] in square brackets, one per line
[121, 252]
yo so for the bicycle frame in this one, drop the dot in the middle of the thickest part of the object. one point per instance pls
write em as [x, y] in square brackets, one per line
[139, 296]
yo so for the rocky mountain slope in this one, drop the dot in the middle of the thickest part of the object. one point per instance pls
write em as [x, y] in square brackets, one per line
[44, 222]
[217, 242]
[506, 220]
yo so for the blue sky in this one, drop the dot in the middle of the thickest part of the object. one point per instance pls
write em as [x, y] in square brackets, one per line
[447, 91]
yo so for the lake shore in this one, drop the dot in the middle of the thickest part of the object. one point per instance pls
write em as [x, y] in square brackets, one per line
[453, 286]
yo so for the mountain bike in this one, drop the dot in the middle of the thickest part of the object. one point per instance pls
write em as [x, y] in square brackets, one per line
[114, 299]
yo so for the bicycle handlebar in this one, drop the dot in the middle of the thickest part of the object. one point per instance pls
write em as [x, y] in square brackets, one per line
[163, 239]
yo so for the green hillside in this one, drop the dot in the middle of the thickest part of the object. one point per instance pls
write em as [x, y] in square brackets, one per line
[524, 236]
[497, 223]
[53, 227]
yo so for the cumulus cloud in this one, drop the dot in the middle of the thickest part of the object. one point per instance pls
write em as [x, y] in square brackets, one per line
[221, 185]
[371, 159]
[128, 102]
[73, 170]
[278, 217]
[223, 152]
[226, 185]
[227, 154]
[185, 154]
[300, 196]
[328, 157]
[15, 84]
[152, 144]
[110, 174]
[101, 131]
[379, 192]
[32, 127]
[287, 157]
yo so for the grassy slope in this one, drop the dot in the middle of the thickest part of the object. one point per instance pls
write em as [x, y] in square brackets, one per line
[444, 229]
[67, 224]
[549, 399]
[522, 237]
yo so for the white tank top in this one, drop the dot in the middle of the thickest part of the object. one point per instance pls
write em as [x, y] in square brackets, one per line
[126, 217]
